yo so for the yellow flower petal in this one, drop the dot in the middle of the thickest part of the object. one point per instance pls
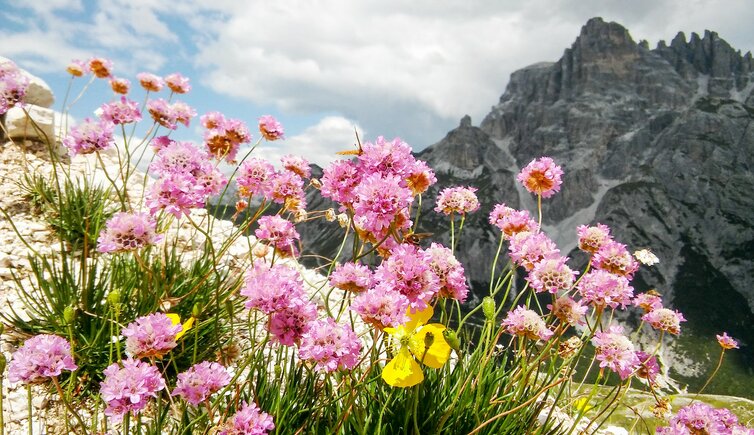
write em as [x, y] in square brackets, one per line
[418, 318]
[403, 370]
[438, 353]
[176, 319]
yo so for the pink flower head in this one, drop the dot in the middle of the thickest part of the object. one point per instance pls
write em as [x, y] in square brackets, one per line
[178, 158]
[353, 277]
[177, 83]
[249, 420]
[270, 128]
[90, 136]
[288, 324]
[449, 272]
[128, 232]
[120, 85]
[603, 288]
[287, 188]
[41, 357]
[278, 232]
[648, 301]
[224, 140]
[665, 319]
[648, 368]
[527, 249]
[150, 82]
[212, 120]
[176, 193]
[551, 274]
[512, 222]
[541, 177]
[13, 86]
[420, 177]
[700, 418]
[200, 381]
[615, 351]
[381, 306]
[387, 158]
[124, 111]
[77, 68]
[460, 200]
[378, 201]
[254, 177]
[127, 389]
[152, 335]
[408, 271]
[591, 239]
[615, 258]
[296, 164]
[161, 142]
[726, 341]
[183, 112]
[270, 289]
[330, 345]
[102, 68]
[162, 113]
[568, 311]
[339, 182]
[526, 323]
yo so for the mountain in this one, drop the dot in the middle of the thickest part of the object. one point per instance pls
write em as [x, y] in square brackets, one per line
[656, 143]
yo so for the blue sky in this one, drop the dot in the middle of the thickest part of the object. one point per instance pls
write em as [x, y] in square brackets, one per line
[326, 67]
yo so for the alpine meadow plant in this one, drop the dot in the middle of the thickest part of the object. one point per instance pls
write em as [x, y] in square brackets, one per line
[155, 317]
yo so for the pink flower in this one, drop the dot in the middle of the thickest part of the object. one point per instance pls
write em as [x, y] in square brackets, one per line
[381, 306]
[270, 288]
[177, 83]
[270, 128]
[541, 177]
[648, 368]
[224, 140]
[160, 143]
[700, 418]
[41, 357]
[352, 277]
[526, 323]
[726, 341]
[603, 288]
[296, 164]
[124, 111]
[254, 177]
[648, 301]
[408, 271]
[77, 68]
[615, 351]
[527, 249]
[591, 239]
[459, 200]
[183, 112]
[420, 177]
[150, 82]
[511, 221]
[13, 86]
[615, 258]
[162, 113]
[665, 319]
[551, 274]
[90, 136]
[128, 232]
[287, 188]
[249, 420]
[280, 233]
[387, 158]
[568, 311]
[200, 381]
[378, 202]
[176, 193]
[153, 335]
[339, 182]
[102, 68]
[120, 85]
[288, 324]
[211, 120]
[128, 388]
[449, 272]
[331, 346]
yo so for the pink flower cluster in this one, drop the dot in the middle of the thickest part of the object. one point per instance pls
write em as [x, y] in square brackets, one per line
[169, 115]
[726, 341]
[150, 82]
[541, 177]
[449, 272]
[591, 239]
[41, 357]
[381, 306]
[128, 388]
[99, 66]
[700, 418]
[526, 249]
[186, 179]
[258, 177]
[665, 319]
[526, 323]
[153, 335]
[177, 83]
[90, 136]
[223, 137]
[200, 381]
[602, 288]
[128, 232]
[407, 271]
[249, 420]
[551, 274]
[13, 85]
[511, 221]
[270, 128]
[279, 233]
[330, 345]
[616, 352]
[123, 111]
[459, 200]
[353, 277]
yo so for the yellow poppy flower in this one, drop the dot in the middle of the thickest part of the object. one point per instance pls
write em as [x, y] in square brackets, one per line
[414, 343]
[176, 319]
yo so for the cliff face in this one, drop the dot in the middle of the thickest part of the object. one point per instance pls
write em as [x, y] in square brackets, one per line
[658, 144]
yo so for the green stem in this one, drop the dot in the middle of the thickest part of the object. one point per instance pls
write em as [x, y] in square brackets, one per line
[29, 405]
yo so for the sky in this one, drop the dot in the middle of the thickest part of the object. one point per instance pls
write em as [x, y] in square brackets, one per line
[327, 68]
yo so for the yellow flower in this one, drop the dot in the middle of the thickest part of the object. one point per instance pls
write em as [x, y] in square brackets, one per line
[176, 319]
[414, 343]
[582, 404]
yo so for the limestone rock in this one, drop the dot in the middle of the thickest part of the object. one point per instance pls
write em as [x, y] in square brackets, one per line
[19, 126]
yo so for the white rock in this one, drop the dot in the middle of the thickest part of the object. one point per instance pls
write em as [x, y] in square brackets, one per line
[21, 127]
[38, 92]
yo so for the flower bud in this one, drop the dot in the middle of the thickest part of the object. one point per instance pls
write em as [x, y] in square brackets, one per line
[452, 339]
[2, 328]
[330, 215]
[488, 307]
[315, 183]
[3, 363]
[114, 298]
[429, 339]
[196, 310]
[69, 314]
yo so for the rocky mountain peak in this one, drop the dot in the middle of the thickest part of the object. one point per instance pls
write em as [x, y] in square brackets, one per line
[600, 37]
